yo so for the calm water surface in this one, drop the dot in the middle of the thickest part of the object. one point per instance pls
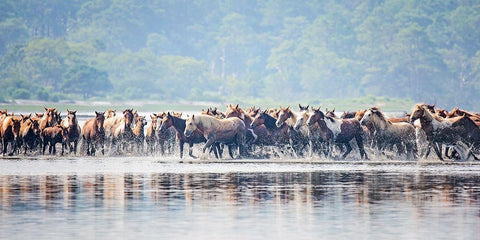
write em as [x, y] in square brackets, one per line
[126, 198]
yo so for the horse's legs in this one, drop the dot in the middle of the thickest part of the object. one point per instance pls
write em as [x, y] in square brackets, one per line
[190, 150]
[437, 150]
[209, 142]
[361, 148]
[88, 148]
[230, 151]
[181, 148]
[349, 149]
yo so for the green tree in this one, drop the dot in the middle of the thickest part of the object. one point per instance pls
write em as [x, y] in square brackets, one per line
[86, 80]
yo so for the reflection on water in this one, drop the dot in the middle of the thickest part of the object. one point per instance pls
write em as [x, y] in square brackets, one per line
[329, 205]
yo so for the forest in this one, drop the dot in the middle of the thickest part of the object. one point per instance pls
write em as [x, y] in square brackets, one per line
[231, 50]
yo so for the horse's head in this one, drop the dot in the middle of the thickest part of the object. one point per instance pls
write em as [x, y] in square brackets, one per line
[190, 126]
[301, 119]
[283, 115]
[128, 117]
[330, 113]
[141, 121]
[369, 115]
[234, 112]
[166, 122]
[303, 108]
[72, 117]
[35, 126]
[259, 119]
[217, 113]
[25, 117]
[99, 119]
[315, 116]
[359, 114]
[16, 127]
[63, 132]
[51, 116]
[417, 112]
[110, 113]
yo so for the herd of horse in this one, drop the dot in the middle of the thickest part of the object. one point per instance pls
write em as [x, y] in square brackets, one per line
[250, 132]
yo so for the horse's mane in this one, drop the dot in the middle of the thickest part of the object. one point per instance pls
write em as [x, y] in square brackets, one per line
[432, 115]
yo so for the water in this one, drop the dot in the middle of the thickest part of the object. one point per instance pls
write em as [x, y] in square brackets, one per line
[126, 198]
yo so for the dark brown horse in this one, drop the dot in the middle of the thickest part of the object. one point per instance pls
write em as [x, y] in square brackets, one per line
[179, 124]
[277, 136]
[53, 135]
[165, 136]
[10, 132]
[73, 129]
[340, 131]
[94, 133]
[30, 134]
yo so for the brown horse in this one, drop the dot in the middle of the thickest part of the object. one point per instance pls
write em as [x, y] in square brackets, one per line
[73, 129]
[53, 135]
[253, 135]
[389, 134]
[10, 132]
[166, 136]
[340, 131]
[30, 134]
[277, 136]
[94, 133]
[151, 136]
[179, 124]
[448, 131]
[138, 135]
[49, 118]
[230, 131]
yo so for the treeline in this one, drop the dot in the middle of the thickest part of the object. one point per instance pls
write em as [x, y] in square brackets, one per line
[279, 50]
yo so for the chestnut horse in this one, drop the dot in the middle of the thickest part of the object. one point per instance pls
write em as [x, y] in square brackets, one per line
[179, 124]
[315, 141]
[227, 131]
[73, 129]
[339, 131]
[253, 135]
[94, 133]
[10, 132]
[49, 119]
[53, 135]
[389, 134]
[138, 134]
[151, 136]
[30, 134]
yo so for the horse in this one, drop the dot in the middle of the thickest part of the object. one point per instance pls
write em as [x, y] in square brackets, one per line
[448, 131]
[10, 132]
[253, 135]
[111, 121]
[315, 141]
[30, 134]
[93, 133]
[399, 134]
[49, 119]
[73, 129]
[179, 124]
[298, 138]
[348, 114]
[276, 136]
[138, 135]
[53, 135]
[165, 136]
[227, 131]
[340, 131]
[151, 136]
[123, 134]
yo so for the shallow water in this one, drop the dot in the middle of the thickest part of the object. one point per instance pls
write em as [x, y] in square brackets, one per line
[125, 198]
